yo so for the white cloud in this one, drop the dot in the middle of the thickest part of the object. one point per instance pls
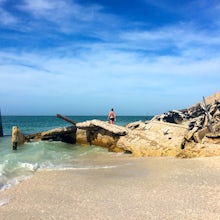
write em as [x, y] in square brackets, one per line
[45, 8]
[130, 66]
[181, 40]
[106, 75]
[65, 16]
[7, 18]
[58, 10]
[112, 66]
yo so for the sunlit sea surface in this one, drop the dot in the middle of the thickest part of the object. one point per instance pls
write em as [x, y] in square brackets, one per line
[16, 166]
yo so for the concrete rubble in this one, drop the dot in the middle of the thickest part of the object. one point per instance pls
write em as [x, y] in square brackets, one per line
[191, 132]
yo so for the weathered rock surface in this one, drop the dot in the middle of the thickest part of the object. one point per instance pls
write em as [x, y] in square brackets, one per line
[191, 132]
[197, 117]
[201, 119]
[65, 134]
[153, 138]
[100, 133]
[92, 132]
[114, 129]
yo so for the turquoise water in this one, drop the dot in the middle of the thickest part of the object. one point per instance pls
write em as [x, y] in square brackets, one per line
[16, 166]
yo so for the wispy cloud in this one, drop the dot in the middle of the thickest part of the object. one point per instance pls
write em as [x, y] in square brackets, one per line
[58, 10]
[180, 40]
[6, 17]
[68, 16]
[66, 49]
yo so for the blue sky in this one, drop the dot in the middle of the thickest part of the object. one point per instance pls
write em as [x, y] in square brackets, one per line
[142, 57]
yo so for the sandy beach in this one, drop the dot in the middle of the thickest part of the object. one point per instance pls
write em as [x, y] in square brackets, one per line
[127, 188]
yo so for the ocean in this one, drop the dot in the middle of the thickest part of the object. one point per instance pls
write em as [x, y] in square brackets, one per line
[16, 166]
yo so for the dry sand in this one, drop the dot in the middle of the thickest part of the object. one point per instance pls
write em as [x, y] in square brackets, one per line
[137, 188]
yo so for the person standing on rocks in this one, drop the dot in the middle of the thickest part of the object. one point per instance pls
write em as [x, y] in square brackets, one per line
[112, 116]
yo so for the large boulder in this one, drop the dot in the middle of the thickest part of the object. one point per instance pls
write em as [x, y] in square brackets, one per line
[97, 124]
[153, 138]
[100, 133]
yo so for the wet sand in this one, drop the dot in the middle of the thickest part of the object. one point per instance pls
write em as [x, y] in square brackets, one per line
[137, 188]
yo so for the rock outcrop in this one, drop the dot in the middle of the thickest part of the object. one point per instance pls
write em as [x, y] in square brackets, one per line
[100, 133]
[66, 134]
[191, 132]
[94, 132]
[201, 119]
[153, 138]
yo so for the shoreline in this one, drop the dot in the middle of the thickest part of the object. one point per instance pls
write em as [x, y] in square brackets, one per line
[136, 188]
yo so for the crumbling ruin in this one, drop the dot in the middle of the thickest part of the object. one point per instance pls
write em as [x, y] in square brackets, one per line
[191, 132]
[202, 120]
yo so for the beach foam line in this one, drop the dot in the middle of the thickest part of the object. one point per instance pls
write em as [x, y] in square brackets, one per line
[29, 166]
[81, 168]
[16, 180]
